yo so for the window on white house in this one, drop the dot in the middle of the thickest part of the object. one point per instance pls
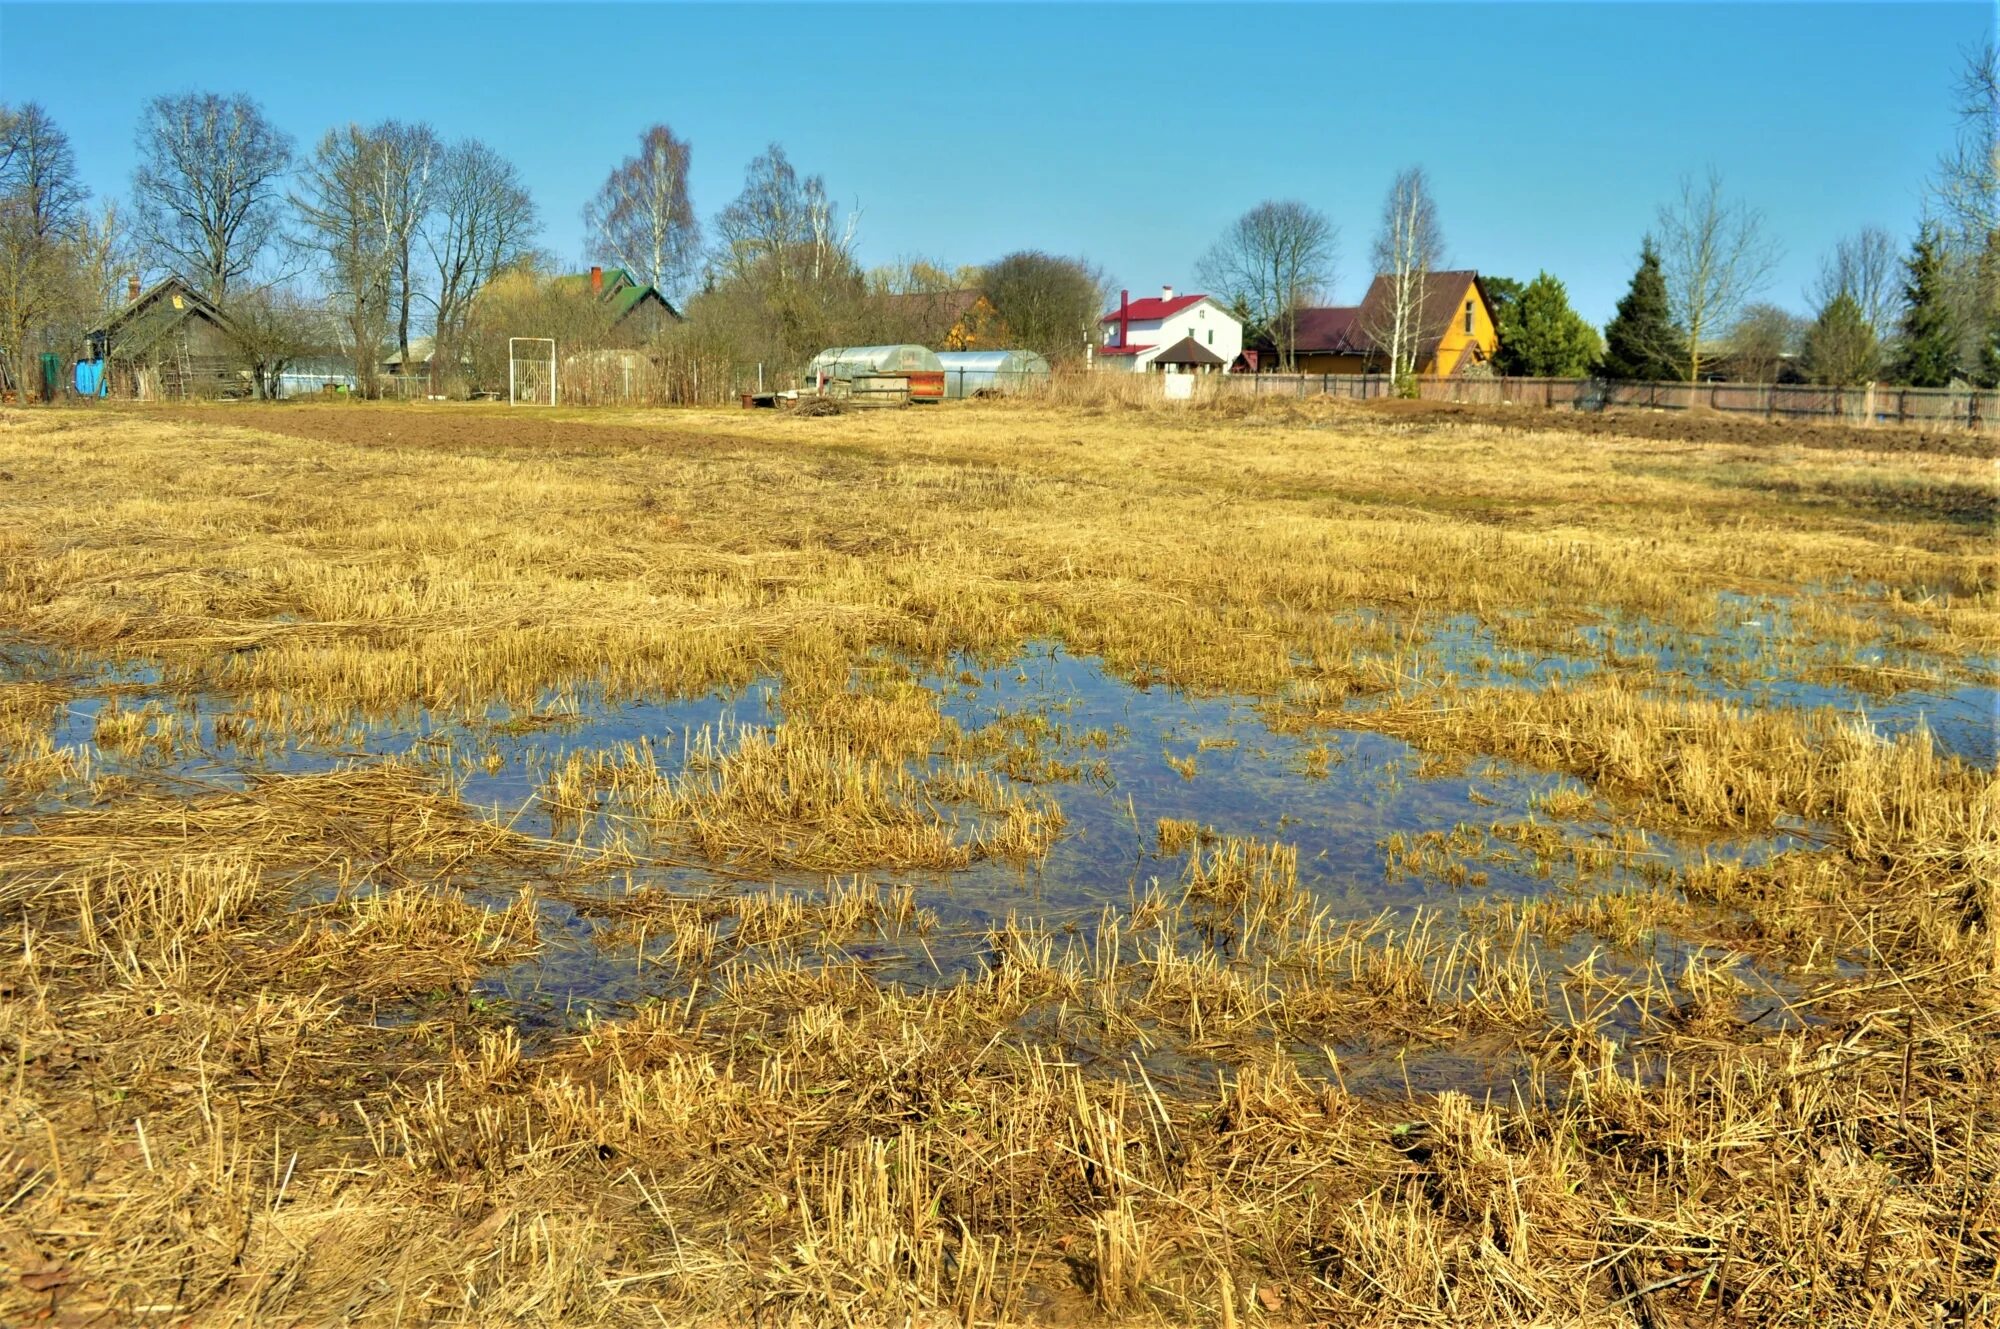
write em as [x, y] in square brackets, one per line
[1211, 336]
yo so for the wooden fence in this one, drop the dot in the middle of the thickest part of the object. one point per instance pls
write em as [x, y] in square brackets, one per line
[1963, 408]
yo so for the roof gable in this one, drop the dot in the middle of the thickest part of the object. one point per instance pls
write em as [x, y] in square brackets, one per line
[1187, 351]
[1443, 293]
[622, 291]
[165, 305]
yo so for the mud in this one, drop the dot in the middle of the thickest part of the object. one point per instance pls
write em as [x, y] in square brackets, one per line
[500, 430]
[1704, 427]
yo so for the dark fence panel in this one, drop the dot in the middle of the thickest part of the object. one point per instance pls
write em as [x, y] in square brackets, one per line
[1964, 408]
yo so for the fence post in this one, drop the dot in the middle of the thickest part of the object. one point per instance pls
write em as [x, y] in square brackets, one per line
[1903, 406]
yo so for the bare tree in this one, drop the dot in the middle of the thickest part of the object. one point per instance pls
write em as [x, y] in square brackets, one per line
[347, 228]
[786, 259]
[782, 222]
[1966, 188]
[38, 171]
[1272, 260]
[207, 189]
[55, 257]
[1867, 267]
[405, 157]
[1408, 247]
[483, 223]
[1050, 302]
[1716, 258]
[271, 328]
[1762, 342]
[641, 218]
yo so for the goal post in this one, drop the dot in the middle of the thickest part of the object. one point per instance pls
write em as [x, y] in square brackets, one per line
[531, 375]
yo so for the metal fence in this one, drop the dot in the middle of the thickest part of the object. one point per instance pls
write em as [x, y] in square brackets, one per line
[1963, 408]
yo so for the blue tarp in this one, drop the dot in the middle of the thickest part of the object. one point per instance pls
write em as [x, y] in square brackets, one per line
[90, 378]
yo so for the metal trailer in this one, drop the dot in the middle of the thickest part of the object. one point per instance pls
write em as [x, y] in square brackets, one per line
[969, 373]
[870, 373]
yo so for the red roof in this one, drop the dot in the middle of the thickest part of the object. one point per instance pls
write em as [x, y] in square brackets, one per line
[1123, 350]
[1154, 307]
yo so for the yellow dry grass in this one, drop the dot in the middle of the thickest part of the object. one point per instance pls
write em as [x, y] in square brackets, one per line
[248, 1079]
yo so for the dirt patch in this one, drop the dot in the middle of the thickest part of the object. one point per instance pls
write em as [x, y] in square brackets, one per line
[1699, 427]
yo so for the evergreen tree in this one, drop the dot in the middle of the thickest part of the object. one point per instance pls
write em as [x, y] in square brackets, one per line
[1985, 358]
[1642, 341]
[1501, 293]
[1930, 338]
[1541, 336]
[1988, 375]
[1840, 346]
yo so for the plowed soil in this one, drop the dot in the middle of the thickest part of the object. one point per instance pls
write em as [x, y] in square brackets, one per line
[497, 429]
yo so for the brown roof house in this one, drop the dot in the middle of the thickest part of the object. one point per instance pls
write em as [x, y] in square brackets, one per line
[1455, 331]
[168, 341]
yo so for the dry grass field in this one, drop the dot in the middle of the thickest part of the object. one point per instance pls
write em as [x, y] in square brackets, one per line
[1281, 863]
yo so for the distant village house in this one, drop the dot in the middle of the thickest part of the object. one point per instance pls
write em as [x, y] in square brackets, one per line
[166, 341]
[1455, 331]
[1171, 334]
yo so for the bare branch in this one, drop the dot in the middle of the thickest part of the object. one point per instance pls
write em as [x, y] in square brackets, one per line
[1716, 258]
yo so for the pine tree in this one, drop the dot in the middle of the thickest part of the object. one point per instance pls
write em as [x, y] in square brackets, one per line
[1930, 340]
[1541, 336]
[1642, 342]
[1840, 346]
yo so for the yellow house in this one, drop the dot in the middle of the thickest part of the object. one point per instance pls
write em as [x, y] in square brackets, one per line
[1455, 331]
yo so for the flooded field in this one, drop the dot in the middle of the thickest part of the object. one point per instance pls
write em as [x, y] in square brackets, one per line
[995, 881]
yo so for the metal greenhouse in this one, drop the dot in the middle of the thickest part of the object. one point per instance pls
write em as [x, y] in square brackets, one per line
[969, 372]
[846, 362]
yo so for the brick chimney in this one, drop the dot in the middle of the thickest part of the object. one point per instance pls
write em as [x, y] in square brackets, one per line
[132, 289]
[596, 280]
[1124, 318]
[1166, 292]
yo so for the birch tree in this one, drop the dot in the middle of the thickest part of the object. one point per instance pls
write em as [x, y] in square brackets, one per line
[484, 223]
[787, 253]
[347, 228]
[405, 158]
[1409, 246]
[208, 192]
[1272, 260]
[1716, 257]
[641, 219]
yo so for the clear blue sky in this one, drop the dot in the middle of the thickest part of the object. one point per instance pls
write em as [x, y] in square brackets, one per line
[1128, 133]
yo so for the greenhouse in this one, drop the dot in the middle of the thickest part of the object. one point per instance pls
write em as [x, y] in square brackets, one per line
[967, 373]
[843, 362]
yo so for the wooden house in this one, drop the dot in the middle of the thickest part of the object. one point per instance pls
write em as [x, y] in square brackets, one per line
[1455, 331]
[168, 341]
[638, 312]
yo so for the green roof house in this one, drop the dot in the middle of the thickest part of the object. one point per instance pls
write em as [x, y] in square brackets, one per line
[637, 308]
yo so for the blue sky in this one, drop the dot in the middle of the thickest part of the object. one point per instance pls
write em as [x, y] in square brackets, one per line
[1129, 133]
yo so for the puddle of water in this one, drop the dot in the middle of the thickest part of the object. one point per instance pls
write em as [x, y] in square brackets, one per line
[1140, 755]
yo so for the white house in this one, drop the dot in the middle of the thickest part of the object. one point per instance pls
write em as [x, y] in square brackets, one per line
[1175, 334]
